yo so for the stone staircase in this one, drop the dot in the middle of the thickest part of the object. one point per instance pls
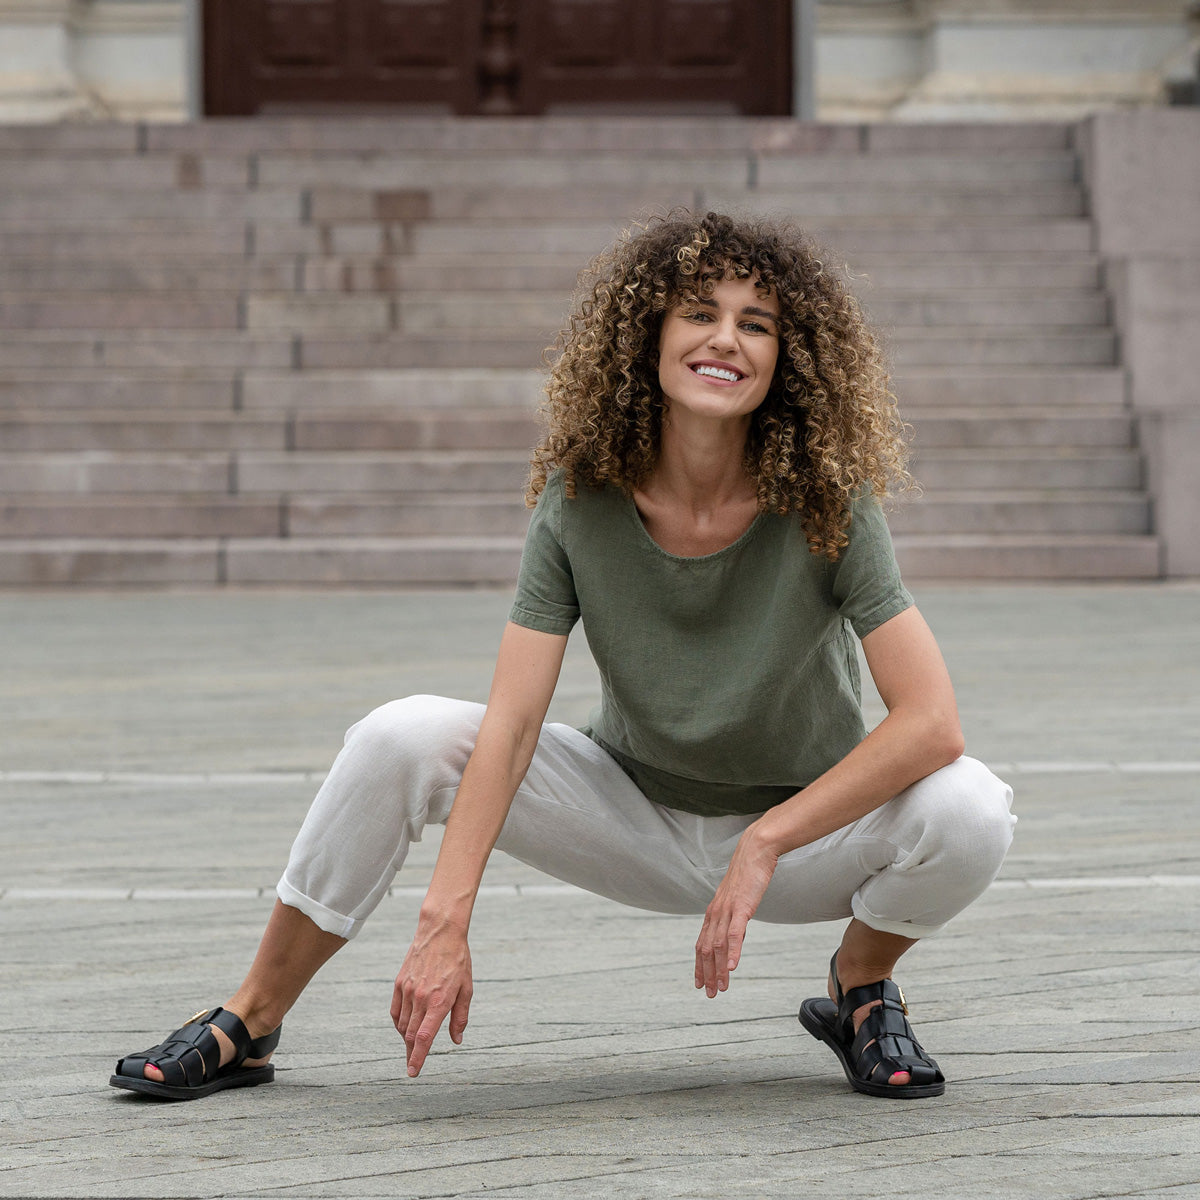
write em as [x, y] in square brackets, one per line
[305, 352]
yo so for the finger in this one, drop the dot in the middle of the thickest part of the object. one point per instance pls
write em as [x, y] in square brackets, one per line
[402, 1006]
[710, 949]
[423, 1039]
[458, 1016]
[737, 938]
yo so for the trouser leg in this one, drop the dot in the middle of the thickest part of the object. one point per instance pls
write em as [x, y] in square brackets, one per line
[576, 816]
[906, 868]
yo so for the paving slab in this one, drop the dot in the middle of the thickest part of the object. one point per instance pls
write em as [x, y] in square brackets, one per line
[157, 750]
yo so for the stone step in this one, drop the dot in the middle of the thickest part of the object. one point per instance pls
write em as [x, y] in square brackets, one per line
[129, 429]
[148, 429]
[574, 134]
[851, 237]
[286, 472]
[335, 391]
[98, 472]
[1093, 425]
[123, 310]
[151, 516]
[120, 350]
[19, 274]
[231, 239]
[394, 562]
[1027, 556]
[146, 562]
[93, 389]
[1011, 347]
[918, 171]
[423, 312]
[412, 515]
[911, 348]
[344, 205]
[502, 471]
[1062, 468]
[1009, 512]
[982, 275]
[128, 174]
[455, 429]
[1008, 385]
[921, 171]
[83, 205]
[807, 203]
[948, 512]
[401, 562]
[55, 395]
[557, 273]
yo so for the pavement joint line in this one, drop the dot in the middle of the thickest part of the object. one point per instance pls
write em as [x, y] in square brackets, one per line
[540, 890]
[252, 778]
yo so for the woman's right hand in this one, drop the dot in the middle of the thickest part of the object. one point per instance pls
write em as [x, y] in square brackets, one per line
[434, 980]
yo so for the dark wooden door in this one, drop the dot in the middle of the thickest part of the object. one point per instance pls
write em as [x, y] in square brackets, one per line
[497, 56]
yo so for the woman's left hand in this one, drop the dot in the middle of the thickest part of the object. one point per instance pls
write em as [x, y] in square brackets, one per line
[719, 946]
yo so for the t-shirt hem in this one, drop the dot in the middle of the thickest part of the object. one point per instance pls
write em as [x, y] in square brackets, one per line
[540, 622]
[891, 607]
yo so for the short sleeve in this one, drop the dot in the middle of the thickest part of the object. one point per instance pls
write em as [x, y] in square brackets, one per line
[545, 598]
[866, 580]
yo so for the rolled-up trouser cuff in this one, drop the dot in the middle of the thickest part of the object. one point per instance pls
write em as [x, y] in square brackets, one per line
[322, 917]
[905, 929]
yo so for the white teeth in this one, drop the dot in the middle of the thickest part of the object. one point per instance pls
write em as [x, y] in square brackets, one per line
[718, 373]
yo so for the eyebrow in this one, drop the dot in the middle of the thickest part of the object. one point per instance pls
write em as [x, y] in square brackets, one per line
[749, 310]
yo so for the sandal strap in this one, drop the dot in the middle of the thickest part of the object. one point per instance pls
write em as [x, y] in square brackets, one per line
[886, 1039]
[191, 1055]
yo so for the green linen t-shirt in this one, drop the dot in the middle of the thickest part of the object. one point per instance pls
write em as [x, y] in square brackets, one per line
[729, 681]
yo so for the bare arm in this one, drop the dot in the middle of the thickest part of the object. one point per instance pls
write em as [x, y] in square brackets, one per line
[436, 976]
[919, 735]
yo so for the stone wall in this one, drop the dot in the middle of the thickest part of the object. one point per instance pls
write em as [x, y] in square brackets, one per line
[1142, 171]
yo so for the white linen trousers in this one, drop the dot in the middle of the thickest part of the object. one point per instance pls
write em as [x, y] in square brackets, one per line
[906, 868]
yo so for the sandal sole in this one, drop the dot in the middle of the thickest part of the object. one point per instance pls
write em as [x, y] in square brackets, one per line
[164, 1091]
[815, 1015]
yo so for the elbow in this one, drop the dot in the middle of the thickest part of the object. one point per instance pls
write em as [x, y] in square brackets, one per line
[946, 742]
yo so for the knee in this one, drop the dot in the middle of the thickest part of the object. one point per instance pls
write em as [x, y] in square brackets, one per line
[967, 815]
[427, 728]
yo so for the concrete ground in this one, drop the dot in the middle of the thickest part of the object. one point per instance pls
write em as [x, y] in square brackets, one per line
[158, 750]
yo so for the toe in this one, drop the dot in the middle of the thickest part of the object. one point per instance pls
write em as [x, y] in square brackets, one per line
[152, 1073]
[900, 1078]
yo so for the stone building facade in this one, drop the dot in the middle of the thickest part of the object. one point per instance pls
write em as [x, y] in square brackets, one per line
[867, 60]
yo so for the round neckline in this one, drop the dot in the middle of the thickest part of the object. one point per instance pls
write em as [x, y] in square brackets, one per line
[636, 517]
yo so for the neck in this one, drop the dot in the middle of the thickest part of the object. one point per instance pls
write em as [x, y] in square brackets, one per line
[700, 464]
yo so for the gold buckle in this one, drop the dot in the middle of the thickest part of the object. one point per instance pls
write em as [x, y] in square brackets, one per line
[903, 1002]
[202, 1013]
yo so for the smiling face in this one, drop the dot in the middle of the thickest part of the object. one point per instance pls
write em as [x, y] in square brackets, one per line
[717, 353]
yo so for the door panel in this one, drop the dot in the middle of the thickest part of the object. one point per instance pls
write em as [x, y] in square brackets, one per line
[497, 56]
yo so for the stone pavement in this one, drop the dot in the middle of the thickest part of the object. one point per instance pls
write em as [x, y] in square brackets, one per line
[158, 750]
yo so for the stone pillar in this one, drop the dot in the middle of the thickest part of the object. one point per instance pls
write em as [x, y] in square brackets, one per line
[37, 72]
[62, 59]
[1142, 170]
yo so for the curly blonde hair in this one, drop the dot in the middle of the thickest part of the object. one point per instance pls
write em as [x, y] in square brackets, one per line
[828, 429]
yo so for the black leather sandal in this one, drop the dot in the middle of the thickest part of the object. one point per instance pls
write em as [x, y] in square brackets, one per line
[884, 1045]
[188, 1060]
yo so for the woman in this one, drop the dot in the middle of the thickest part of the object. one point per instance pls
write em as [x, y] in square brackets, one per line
[707, 501]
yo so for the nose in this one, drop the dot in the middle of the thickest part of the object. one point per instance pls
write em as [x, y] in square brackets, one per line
[723, 333]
